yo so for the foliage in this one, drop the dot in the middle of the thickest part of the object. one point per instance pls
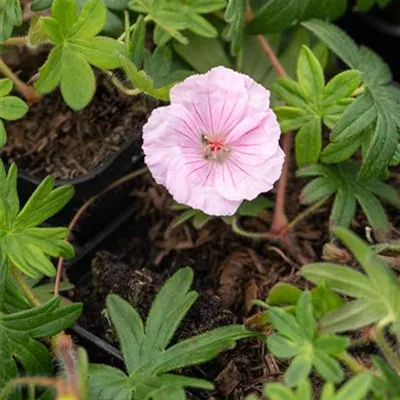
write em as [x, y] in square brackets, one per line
[251, 208]
[366, 5]
[376, 294]
[372, 120]
[151, 73]
[355, 389]
[11, 107]
[76, 47]
[148, 358]
[174, 16]
[277, 15]
[23, 244]
[18, 334]
[305, 325]
[297, 337]
[10, 16]
[310, 103]
[114, 25]
[341, 181]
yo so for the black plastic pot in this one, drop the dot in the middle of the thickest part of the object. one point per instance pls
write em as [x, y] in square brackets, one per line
[378, 29]
[109, 205]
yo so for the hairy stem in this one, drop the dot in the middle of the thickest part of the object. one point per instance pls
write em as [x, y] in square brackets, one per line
[251, 235]
[83, 209]
[308, 211]
[387, 351]
[122, 88]
[351, 362]
[12, 41]
[37, 381]
[30, 93]
[279, 221]
[27, 290]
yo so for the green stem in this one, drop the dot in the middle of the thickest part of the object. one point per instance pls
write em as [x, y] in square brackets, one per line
[121, 87]
[251, 235]
[351, 362]
[308, 211]
[14, 41]
[387, 351]
[26, 289]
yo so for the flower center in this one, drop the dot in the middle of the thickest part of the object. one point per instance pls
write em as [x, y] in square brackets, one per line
[214, 148]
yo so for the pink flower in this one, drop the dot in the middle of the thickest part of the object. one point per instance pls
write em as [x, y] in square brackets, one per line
[216, 144]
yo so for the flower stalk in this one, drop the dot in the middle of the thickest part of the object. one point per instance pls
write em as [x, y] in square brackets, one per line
[31, 95]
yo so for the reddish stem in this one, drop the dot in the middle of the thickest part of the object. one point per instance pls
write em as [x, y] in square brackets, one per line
[279, 220]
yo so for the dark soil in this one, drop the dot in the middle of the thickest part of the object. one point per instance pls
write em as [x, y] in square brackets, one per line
[230, 272]
[54, 140]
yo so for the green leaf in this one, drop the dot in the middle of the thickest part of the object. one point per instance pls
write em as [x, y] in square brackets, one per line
[339, 278]
[77, 82]
[316, 190]
[5, 87]
[163, 320]
[341, 86]
[254, 207]
[10, 16]
[353, 315]
[305, 315]
[202, 54]
[308, 143]
[43, 204]
[200, 220]
[325, 300]
[274, 16]
[3, 135]
[291, 118]
[53, 30]
[107, 382]
[137, 42]
[380, 149]
[37, 34]
[26, 246]
[234, 16]
[143, 82]
[276, 391]
[310, 75]
[129, 327]
[50, 73]
[18, 332]
[162, 69]
[90, 21]
[357, 117]
[281, 346]
[291, 92]
[298, 370]
[66, 13]
[342, 150]
[356, 388]
[283, 294]
[102, 52]
[328, 367]
[376, 293]
[343, 179]
[338, 41]
[12, 108]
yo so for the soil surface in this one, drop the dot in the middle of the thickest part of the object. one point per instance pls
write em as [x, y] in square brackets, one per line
[230, 272]
[54, 140]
